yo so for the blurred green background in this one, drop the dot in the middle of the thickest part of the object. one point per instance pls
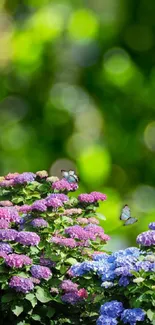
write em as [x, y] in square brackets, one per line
[77, 90]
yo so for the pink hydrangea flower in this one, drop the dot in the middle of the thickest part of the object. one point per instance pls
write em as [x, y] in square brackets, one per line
[98, 196]
[86, 198]
[17, 261]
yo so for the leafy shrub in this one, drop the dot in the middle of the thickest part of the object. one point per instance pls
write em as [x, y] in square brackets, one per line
[44, 230]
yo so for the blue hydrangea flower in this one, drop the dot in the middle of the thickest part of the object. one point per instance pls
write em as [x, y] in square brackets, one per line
[123, 281]
[132, 316]
[105, 320]
[112, 309]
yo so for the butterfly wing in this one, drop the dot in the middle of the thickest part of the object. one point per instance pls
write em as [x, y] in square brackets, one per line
[130, 221]
[73, 177]
[71, 172]
[64, 173]
[125, 213]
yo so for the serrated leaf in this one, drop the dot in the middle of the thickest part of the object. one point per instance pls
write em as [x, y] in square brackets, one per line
[42, 295]
[17, 310]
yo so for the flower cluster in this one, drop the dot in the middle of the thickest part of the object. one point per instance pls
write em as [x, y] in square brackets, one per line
[17, 261]
[119, 265]
[147, 238]
[63, 185]
[8, 234]
[21, 284]
[92, 197]
[6, 248]
[24, 178]
[71, 293]
[9, 214]
[40, 272]
[27, 238]
[39, 223]
[111, 311]
[62, 241]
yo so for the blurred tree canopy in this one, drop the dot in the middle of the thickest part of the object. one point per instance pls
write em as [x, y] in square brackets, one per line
[77, 90]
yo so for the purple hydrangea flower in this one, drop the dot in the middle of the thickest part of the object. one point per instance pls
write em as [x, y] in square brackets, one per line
[6, 248]
[62, 197]
[21, 284]
[143, 265]
[3, 255]
[71, 298]
[123, 270]
[152, 225]
[8, 234]
[99, 196]
[41, 272]
[17, 261]
[79, 233]
[97, 231]
[54, 203]
[24, 178]
[7, 183]
[10, 214]
[105, 320]
[4, 224]
[25, 208]
[68, 286]
[86, 198]
[39, 205]
[132, 316]
[67, 242]
[112, 309]
[63, 185]
[46, 262]
[39, 223]
[27, 238]
[146, 238]
[11, 176]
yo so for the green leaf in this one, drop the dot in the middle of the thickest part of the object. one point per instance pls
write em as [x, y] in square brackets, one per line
[36, 317]
[3, 278]
[17, 310]
[8, 297]
[17, 200]
[71, 261]
[30, 296]
[34, 250]
[50, 312]
[150, 314]
[42, 295]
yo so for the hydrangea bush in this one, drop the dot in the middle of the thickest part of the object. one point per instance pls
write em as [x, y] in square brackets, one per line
[54, 267]
[44, 230]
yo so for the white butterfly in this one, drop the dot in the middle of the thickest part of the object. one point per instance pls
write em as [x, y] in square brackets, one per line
[126, 216]
[70, 176]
